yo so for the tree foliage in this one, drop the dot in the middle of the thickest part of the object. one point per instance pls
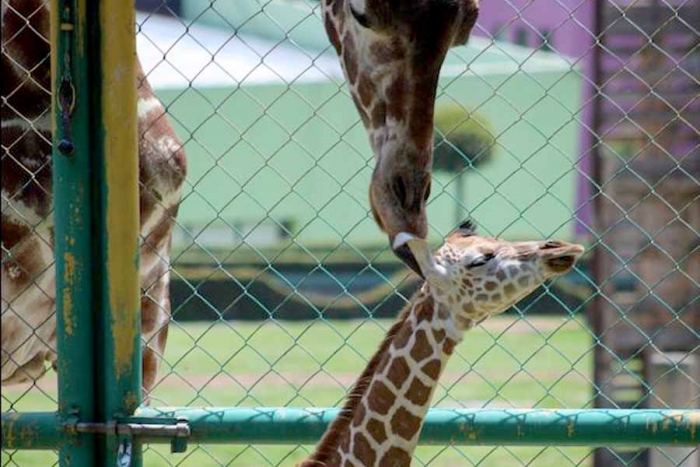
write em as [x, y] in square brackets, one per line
[462, 139]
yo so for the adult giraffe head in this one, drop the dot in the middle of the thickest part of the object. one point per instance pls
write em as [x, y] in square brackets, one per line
[392, 52]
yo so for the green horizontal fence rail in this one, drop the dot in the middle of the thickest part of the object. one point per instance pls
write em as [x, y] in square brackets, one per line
[483, 427]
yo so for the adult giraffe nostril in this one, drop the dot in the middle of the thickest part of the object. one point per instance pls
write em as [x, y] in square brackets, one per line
[398, 185]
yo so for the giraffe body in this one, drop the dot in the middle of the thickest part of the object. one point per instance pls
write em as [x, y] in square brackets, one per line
[28, 274]
[382, 418]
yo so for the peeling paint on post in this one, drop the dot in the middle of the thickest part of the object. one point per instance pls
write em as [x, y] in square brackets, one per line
[73, 206]
[96, 217]
[120, 320]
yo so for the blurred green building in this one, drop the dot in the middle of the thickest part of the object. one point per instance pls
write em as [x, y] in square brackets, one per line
[276, 149]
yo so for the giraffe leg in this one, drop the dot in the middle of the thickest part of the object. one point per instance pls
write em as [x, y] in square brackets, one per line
[155, 317]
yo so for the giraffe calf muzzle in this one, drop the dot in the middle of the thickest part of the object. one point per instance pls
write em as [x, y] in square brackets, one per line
[422, 259]
[560, 257]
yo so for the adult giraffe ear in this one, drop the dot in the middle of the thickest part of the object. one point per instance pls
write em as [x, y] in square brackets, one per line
[470, 11]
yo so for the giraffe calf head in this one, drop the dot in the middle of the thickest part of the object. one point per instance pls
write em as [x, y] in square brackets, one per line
[475, 276]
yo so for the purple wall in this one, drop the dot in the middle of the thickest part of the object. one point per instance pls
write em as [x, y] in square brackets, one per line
[568, 26]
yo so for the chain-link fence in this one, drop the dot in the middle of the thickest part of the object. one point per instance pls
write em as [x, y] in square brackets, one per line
[569, 119]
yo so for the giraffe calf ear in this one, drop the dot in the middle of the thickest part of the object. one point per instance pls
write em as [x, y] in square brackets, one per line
[470, 11]
[467, 228]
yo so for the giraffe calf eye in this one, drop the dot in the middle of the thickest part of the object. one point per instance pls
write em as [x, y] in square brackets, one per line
[481, 261]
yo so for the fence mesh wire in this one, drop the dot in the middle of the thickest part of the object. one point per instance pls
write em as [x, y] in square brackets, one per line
[575, 119]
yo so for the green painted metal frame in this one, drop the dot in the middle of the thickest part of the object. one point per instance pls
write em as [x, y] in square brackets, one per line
[95, 143]
[73, 207]
[511, 427]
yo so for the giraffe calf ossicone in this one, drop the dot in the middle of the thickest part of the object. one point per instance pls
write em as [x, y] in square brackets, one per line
[469, 279]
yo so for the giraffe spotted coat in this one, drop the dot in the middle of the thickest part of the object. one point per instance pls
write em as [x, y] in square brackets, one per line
[28, 275]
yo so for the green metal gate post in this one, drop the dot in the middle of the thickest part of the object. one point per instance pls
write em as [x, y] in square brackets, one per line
[96, 223]
[119, 364]
[73, 205]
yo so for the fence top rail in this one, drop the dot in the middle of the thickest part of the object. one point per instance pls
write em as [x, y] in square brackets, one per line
[283, 425]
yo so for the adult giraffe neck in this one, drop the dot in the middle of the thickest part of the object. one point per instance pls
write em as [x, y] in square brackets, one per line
[382, 417]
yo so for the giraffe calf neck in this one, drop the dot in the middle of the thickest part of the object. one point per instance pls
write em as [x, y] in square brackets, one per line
[381, 422]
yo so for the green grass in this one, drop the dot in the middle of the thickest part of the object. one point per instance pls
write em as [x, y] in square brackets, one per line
[506, 362]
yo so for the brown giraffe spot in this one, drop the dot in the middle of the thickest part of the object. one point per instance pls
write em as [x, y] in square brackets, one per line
[337, 6]
[405, 424]
[421, 348]
[418, 393]
[348, 463]
[449, 346]
[376, 430]
[468, 308]
[386, 358]
[443, 313]
[380, 398]
[350, 58]
[513, 271]
[432, 369]
[395, 457]
[496, 297]
[360, 110]
[501, 275]
[387, 52]
[332, 32]
[398, 372]
[360, 414]
[378, 114]
[491, 286]
[439, 335]
[362, 450]
[403, 336]
[464, 323]
[524, 282]
[12, 232]
[482, 297]
[365, 88]
[425, 313]
[509, 289]
[345, 443]
[396, 99]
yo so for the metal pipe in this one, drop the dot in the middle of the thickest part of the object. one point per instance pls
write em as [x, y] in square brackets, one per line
[116, 223]
[33, 430]
[450, 426]
[507, 427]
[73, 205]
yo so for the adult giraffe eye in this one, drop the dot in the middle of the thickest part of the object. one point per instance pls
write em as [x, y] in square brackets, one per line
[361, 18]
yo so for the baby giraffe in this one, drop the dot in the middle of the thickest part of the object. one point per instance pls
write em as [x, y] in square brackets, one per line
[469, 279]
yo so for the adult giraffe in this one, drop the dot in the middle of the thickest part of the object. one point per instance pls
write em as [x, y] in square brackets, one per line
[391, 52]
